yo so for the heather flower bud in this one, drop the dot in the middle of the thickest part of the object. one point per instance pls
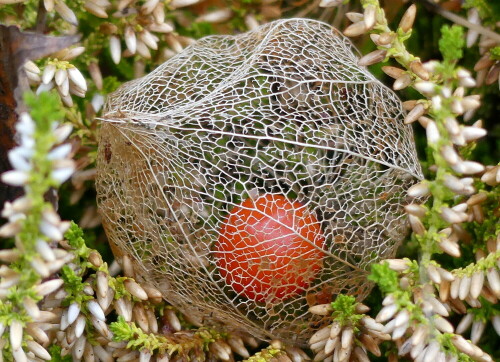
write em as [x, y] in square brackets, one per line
[370, 16]
[393, 72]
[115, 48]
[425, 87]
[135, 289]
[432, 132]
[417, 112]
[417, 67]
[354, 17]
[408, 18]
[373, 57]
[402, 82]
[355, 29]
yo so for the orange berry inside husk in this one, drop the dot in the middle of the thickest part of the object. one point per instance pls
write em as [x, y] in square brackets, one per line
[270, 249]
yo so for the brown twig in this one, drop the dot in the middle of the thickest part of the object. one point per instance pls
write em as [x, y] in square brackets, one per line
[41, 18]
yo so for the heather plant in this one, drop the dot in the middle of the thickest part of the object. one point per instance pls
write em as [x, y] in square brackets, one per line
[63, 296]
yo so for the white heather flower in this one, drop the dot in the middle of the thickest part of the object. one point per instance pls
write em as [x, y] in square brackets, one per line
[45, 250]
[251, 22]
[15, 178]
[73, 312]
[419, 190]
[149, 39]
[77, 78]
[149, 6]
[416, 113]
[97, 102]
[124, 309]
[473, 133]
[472, 35]
[450, 155]
[494, 281]
[217, 16]
[130, 39]
[446, 92]
[79, 347]
[19, 355]
[38, 350]
[115, 48]
[472, 167]
[465, 323]
[66, 13]
[96, 310]
[49, 5]
[182, 3]
[161, 28]
[25, 125]
[51, 231]
[476, 284]
[60, 76]
[471, 102]
[40, 267]
[477, 330]
[69, 53]
[79, 326]
[17, 160]
[9, 230]
[135, 289]
[432, 132]
[48, 73]
[62, 174]
[59, 152]
[436, 102]
[96, 75]
[44, 87]
[16, 334]
[425, 87]
[62, 132]
[496, 323]
[386, 313]
[356, 28]
[97, 7]
[31, 67]
[143, 50]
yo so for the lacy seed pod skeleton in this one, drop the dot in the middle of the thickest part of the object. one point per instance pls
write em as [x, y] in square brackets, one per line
[282, 110]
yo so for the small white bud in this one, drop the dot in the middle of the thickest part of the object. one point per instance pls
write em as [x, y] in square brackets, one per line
[182, 3]
[44, 87]
[130, 39]
[16, 334]
[370, 16]
[419, 190]
[473, 133]
[450, 155]
[48, 73]
[330, 3]
[96, 310]
[436, 102]
[77, 78]
[472, 167]
[115, 48]
[73, 312]
[425, 87]
[217, 16]
[60, 175]
[15, 178]
[432, 132]
[59, 152]
[66, 13]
